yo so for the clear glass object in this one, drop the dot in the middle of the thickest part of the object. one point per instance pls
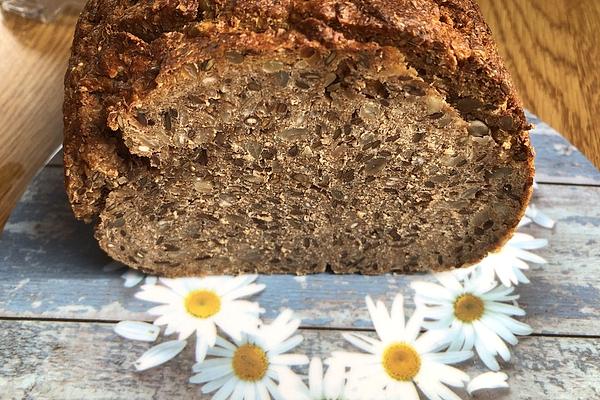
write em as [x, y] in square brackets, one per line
[43, 10]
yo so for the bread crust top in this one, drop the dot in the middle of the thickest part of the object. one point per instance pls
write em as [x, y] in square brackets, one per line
[122, 49]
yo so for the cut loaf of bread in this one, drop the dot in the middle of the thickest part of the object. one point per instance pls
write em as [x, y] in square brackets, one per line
[293, 136]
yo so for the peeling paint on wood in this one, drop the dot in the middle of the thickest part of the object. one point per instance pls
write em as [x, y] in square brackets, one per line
[51, 360]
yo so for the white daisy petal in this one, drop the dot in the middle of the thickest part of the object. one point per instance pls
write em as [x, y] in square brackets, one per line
[524, 222]
[413, 326]
[486, 356]
[333, 381]
[225, 391]
[379, 322]
[219, 352]
[273, 390]
[408, 390]
[238, 392]
[358, 342]
[451, 357]
[500, 329]
[132, 277]
[507, 309]
[516, 327]
[432, 341]
[159, 354]
[234, 283]
[286, 346]
[315, 378]
[488, 380]
[179, 286]
[250, 392]
[212, 385]
[244, 291]
[397, 313]
[521, 276]
[210, 374]
[469, 333]
[432, 290]
[151, 280]
[446, 374]
[186, 332]
[157, 294]
[528, 256]
[428, 388]
[492, 340]
[263, 394]
[136, 330]
[201, 348]
[448, 279]
[539, 217]
[214, 362]
[530, 244]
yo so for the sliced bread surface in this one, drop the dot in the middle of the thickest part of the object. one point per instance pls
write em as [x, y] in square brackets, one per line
[293, 137]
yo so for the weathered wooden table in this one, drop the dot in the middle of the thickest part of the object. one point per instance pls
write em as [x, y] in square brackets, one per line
[58, 307]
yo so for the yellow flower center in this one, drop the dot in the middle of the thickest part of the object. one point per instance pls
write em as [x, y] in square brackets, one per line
[202, 303]
[250, 363]
[401, 361]
[468, 308]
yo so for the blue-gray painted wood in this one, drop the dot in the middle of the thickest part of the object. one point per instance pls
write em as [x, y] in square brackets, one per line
[557, 160]
[74, 361]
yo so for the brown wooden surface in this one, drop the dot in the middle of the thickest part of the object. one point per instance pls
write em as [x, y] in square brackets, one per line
[33, 59]
[552, 49]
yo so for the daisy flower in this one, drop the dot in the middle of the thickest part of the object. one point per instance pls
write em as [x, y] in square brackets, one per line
[332, 386]
[247, 368]
[472, 314]
[200, 305]
[133, 278]
[508, 262]
[401, 359]
[488, 380]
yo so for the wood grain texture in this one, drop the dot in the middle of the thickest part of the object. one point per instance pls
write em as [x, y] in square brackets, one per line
[52, 360]
[33, 60]
[51, 267]
[551, 48]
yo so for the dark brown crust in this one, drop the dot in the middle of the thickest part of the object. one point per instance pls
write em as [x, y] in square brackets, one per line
[122, 51]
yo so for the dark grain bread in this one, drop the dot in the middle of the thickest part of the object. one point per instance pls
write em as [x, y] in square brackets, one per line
[210, 136]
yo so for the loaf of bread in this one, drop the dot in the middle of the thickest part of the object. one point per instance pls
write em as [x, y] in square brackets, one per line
[293, 136]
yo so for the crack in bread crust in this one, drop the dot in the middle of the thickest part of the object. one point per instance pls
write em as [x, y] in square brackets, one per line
[292, 137]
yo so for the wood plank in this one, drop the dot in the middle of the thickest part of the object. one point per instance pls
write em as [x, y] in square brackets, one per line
[87, 360]
[33, 61]
[51, 267]
[551, 50]
[557, 161]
